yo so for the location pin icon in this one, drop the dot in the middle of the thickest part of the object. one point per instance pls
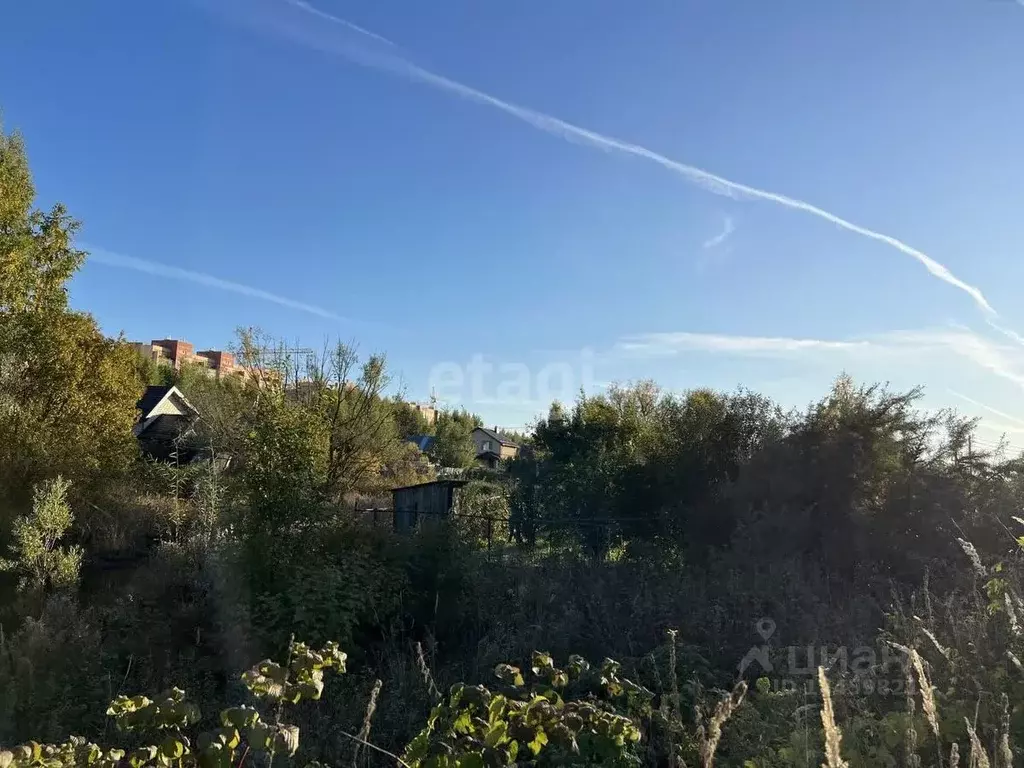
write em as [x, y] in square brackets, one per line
[765, 628]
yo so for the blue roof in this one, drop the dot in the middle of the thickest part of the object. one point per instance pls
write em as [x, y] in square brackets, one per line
[423, 442]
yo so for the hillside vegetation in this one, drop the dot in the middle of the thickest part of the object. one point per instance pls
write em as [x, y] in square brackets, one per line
[658, 580]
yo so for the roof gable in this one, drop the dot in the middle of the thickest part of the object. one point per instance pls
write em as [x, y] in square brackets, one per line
[151, 397]
[160, 401]
[443, 483]
[492, 435]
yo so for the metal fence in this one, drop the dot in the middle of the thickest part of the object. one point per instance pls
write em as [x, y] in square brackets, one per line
[410, 520]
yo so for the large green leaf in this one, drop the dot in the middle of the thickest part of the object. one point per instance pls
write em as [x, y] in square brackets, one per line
[496, 734]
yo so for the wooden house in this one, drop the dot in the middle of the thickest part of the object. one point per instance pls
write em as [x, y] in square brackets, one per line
[424, 502]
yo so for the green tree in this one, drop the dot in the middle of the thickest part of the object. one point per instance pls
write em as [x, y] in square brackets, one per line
[453, 444]
[636, 465]
[319, 430]
[863, 477]
[38, 257]
[569, 483]
[409, 421]
[150, 373]
[67, 394]
[284, 463]
[693, 449]
[224, 405]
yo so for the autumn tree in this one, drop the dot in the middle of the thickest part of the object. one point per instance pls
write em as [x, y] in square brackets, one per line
[67, 393]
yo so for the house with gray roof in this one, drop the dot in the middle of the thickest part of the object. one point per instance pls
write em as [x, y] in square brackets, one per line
[166, 425]
[492, 447]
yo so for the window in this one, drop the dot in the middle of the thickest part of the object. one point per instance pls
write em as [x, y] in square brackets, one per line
[487, 445]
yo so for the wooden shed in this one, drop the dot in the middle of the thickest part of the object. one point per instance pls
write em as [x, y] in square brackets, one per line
[426, 501]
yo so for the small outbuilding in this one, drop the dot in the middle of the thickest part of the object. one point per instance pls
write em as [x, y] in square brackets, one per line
[435, 500]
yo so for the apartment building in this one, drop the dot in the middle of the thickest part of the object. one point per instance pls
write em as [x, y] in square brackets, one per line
[175, 352]
[428, 411]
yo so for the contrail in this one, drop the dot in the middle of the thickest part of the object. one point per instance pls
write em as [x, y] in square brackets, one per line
[1013, 419]
[727, 229]
[673, 342]
[388, 62]
[1006, 331]
[334, 19]
[103, 256]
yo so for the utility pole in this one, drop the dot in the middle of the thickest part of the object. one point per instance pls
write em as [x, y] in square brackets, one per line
[291, 352]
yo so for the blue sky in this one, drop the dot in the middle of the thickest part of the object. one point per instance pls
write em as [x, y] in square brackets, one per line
[397, 174]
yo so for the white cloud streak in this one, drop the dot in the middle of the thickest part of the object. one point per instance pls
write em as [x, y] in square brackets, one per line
[1010, 334]
[719, 185]
[1002, 429]
[103, 256]
[895, 348]
[672, 343]
[304, 6]
[728, 227]
[999, 359]
[1018, 423]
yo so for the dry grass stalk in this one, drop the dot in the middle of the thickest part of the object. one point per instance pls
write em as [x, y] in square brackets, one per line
[910, 737]
[674, 678]
[1017, 603]
[926, 587]
[364, 732]
[654, 671]
[833, 737]
[927, 692]
[1005, 753]
[1016, 661]
[974, 557]
[944, 652]
[428, 679]
[927, 697]
[904, 649]
[392, 755]
[978, 757]
[710, 736]
[913, 759]
[1011, 614]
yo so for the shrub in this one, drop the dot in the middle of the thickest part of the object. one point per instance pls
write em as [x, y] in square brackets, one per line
[38, 559]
